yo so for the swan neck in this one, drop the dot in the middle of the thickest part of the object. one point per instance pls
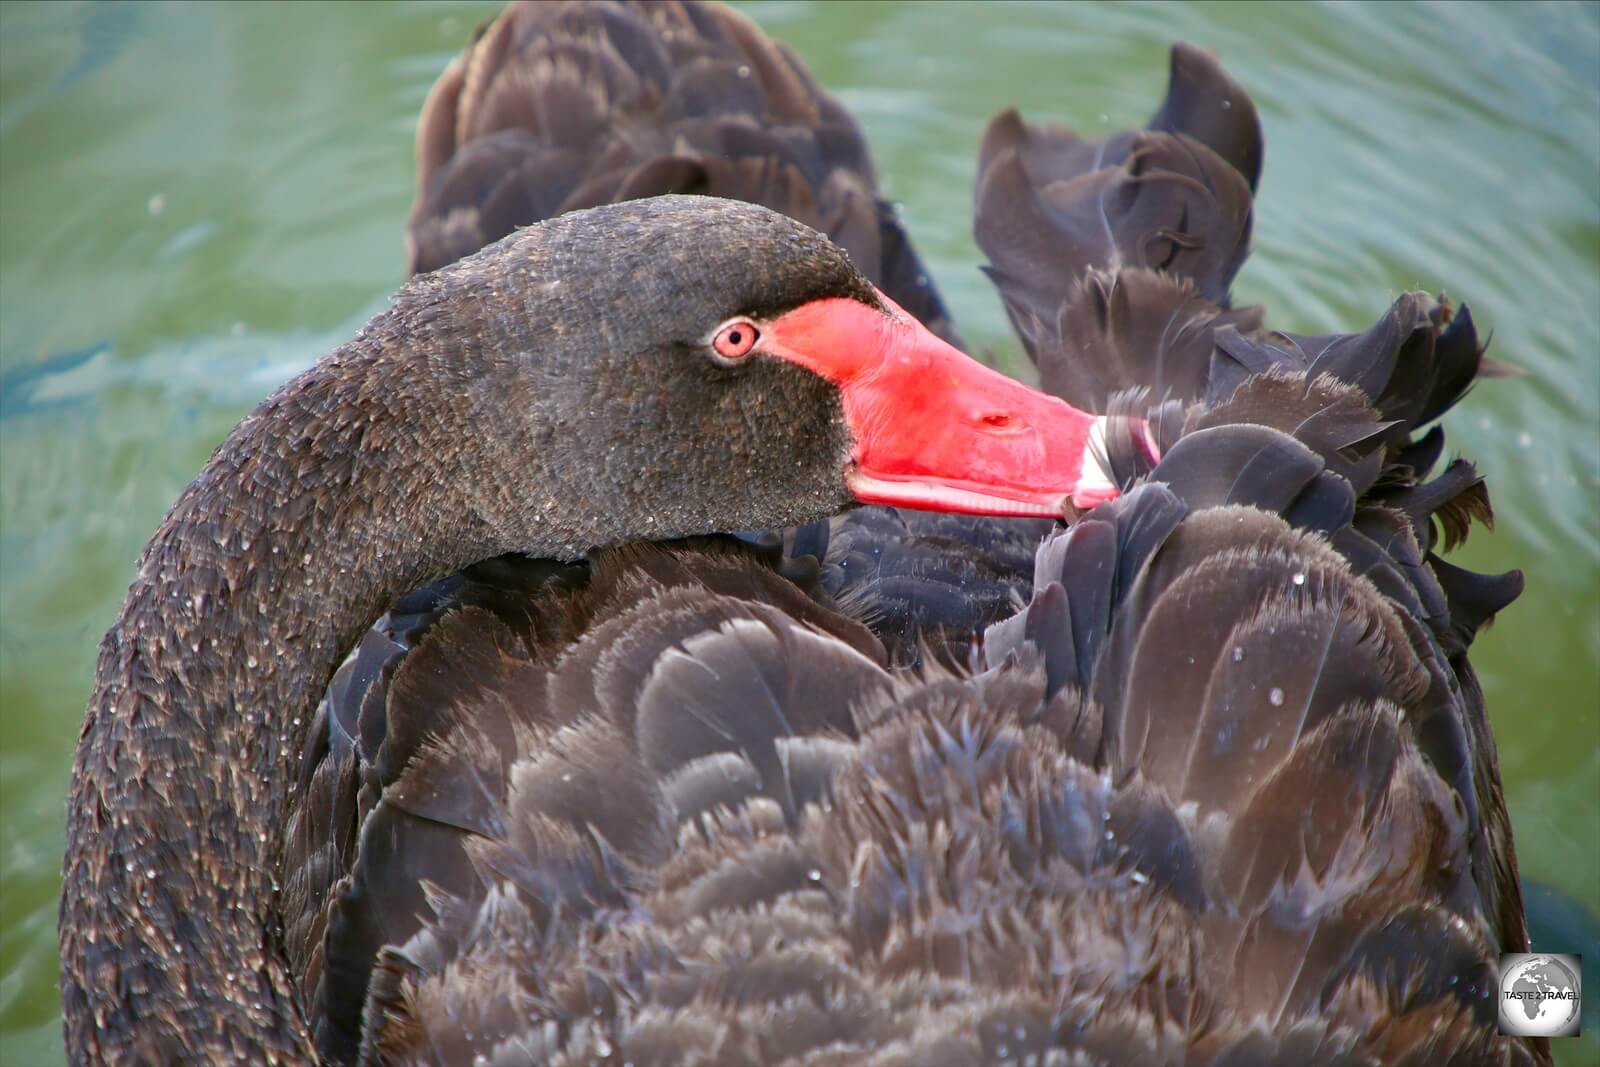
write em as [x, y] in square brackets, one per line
[322, 508]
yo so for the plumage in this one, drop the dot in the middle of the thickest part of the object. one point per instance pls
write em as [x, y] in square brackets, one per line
[560, 106]
[1204, 777]
[1114, 258]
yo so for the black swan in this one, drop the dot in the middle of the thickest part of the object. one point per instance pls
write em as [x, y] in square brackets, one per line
[1222, 791]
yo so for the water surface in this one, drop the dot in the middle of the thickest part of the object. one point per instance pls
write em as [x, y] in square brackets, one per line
[198, 201]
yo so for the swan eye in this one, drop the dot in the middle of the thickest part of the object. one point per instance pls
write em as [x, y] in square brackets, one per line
[735, 339]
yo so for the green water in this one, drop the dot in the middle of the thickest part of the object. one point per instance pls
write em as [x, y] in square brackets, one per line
[196, 202]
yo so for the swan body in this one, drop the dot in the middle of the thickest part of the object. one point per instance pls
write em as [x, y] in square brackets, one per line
[1203, 778]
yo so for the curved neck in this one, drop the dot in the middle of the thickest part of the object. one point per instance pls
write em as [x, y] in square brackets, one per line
[497, 399]
[340, 493]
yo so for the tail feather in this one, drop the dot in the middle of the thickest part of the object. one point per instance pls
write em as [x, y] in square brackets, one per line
[1052, 207]
[1207, 105]
[1172, 205]
[1137, 328]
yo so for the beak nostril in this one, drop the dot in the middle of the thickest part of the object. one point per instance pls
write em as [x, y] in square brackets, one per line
[996, 421]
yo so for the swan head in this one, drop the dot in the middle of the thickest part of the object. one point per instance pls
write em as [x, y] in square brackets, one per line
[684, 365]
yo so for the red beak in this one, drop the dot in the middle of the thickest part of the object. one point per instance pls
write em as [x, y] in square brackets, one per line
[937, 430]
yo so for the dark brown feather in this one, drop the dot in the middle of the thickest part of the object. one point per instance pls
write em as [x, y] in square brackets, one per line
[1220, 788]
[1257, 786]
[560, 106]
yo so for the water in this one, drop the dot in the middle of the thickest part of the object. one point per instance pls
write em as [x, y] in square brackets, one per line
[199, 201]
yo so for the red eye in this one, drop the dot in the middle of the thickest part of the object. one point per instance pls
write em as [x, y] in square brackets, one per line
[735, 339]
